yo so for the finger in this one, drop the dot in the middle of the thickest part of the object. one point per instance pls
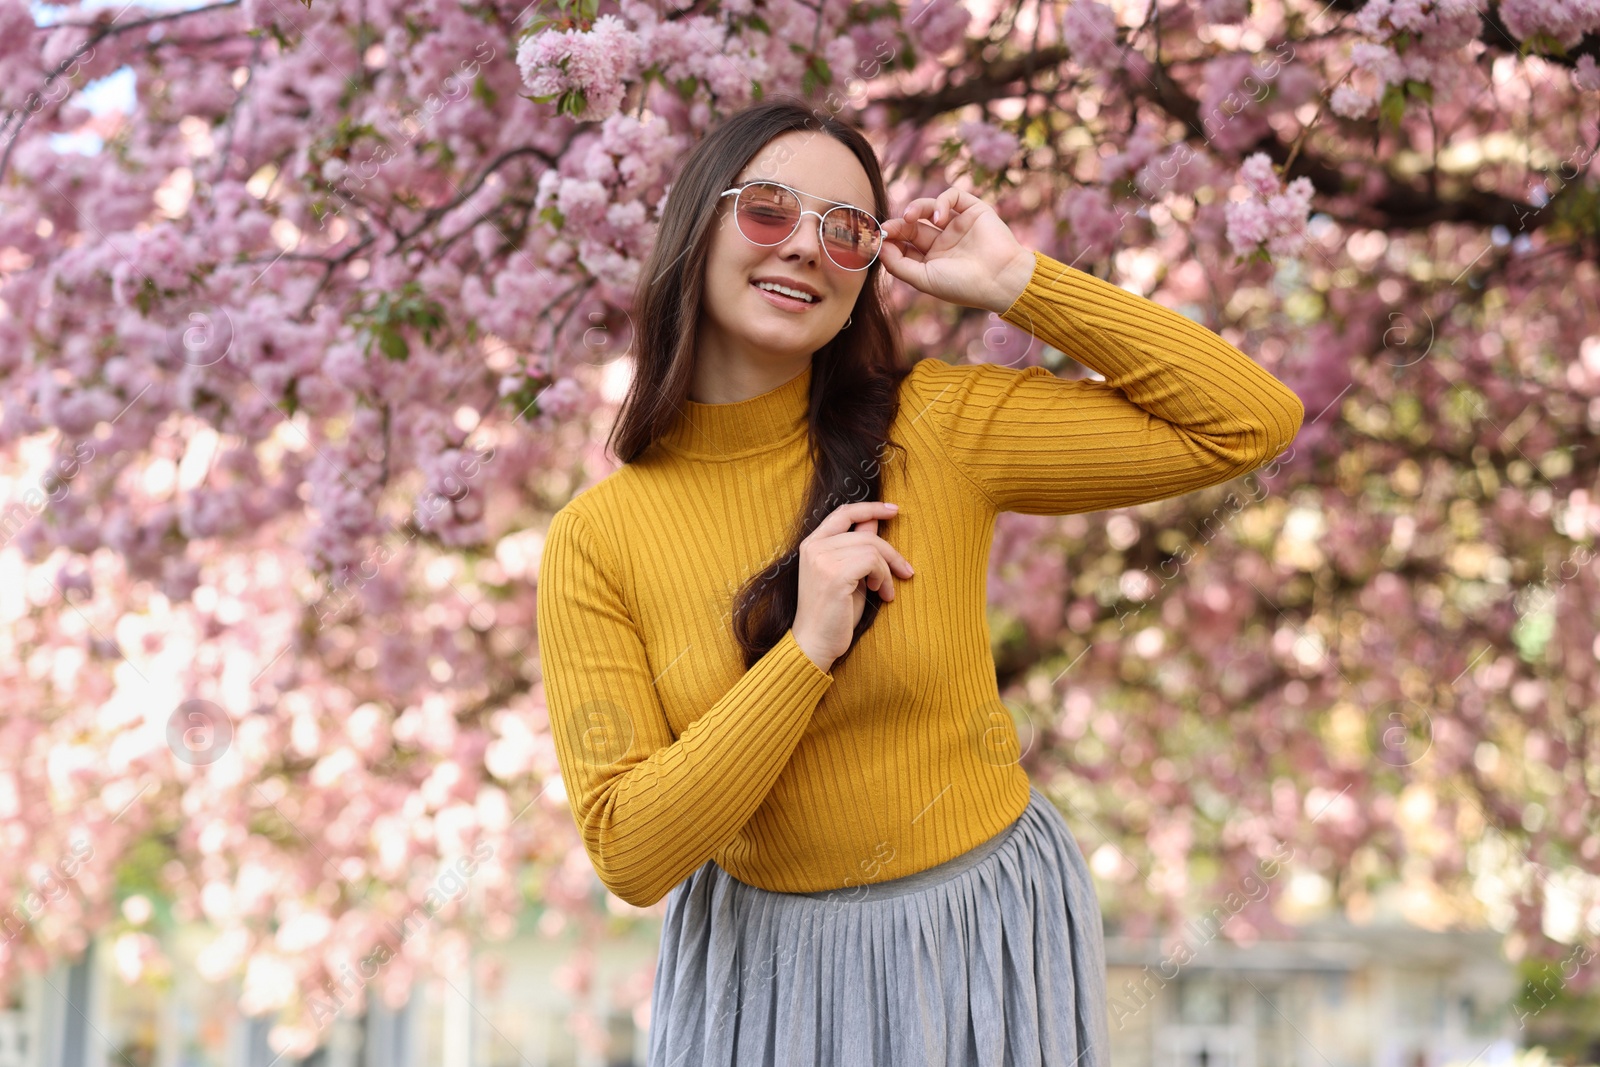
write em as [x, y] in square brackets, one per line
[961, 200]
[840, 518]
[955, 211]
[952, 206]
[854, 546]
[873, 576]
[925, 215]
[899, 229]
[935, 209]
[919, 234]
[920, 208]
[896, 560]
[903, 264]
[863, 558]
[885, 578]
[892, 253]
[922, 238]
[893, 562]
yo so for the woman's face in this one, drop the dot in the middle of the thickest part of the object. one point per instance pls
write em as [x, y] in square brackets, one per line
[741, 323]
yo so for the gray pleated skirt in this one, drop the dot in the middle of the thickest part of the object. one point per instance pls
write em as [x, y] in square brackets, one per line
[995, 958]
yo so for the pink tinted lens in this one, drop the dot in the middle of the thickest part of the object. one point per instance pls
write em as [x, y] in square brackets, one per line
[851, 237]
[767, 213]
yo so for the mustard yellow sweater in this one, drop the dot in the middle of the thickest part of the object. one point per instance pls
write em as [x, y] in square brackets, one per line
[795, 779]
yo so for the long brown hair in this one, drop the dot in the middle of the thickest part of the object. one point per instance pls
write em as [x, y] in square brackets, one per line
[855, 377]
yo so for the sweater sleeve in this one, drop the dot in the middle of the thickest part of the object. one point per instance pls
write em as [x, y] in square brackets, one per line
[651, 809]
[1179, 409]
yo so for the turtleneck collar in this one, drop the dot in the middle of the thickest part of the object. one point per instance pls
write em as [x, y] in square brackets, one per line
[726, 431]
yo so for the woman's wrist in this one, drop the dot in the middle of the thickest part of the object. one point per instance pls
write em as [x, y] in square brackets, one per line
[1012, 280]
[818, 660]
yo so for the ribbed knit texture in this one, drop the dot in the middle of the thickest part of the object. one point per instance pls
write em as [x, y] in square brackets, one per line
[795, 779]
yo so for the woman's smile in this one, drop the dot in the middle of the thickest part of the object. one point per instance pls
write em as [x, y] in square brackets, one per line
[791, 304]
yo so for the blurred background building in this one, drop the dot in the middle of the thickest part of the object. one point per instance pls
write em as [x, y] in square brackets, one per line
[1335, 995]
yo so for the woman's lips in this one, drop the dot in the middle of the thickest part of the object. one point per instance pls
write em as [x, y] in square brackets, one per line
[787, 303]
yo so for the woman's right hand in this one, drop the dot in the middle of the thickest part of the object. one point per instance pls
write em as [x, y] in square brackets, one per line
[838, 565]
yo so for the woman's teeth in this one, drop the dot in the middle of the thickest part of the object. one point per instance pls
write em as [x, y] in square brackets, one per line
[786, 291]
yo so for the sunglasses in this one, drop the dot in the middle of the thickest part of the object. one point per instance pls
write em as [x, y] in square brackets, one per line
[768, 213]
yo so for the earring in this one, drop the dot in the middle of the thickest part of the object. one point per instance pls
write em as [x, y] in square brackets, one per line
[848, 321]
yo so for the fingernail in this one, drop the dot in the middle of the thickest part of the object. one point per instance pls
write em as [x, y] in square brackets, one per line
[888, 505]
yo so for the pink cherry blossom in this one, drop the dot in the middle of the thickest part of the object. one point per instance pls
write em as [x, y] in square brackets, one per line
[1586, 74]
[1225, 10]
[1089, 30]
[1274, 215]
[294, 367]
[1349, 102]
[1564, 20]
[990, 147]
[1092, 220]
[936, 25]
[594, 62]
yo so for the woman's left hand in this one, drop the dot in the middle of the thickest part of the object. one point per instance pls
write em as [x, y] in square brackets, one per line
[957, 248]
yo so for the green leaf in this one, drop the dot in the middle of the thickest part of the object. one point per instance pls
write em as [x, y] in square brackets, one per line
[524, 398]
[144, 299]
[481, 90]
[1420, 90]
[428, 320]
[1401, 42]
[1393, 105]
[573, 102]
[1037, 133]
[391, 344]
[1544, 44]
[1532, 633]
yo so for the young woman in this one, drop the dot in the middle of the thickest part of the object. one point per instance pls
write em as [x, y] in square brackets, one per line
[760, 710]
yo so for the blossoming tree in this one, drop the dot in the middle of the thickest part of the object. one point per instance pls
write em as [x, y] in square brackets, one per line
[296, 364]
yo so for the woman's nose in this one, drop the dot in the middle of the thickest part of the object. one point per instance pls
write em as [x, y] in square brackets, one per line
[807, 235]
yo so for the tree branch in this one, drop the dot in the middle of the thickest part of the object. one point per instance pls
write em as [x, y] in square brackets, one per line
[1402, 205]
